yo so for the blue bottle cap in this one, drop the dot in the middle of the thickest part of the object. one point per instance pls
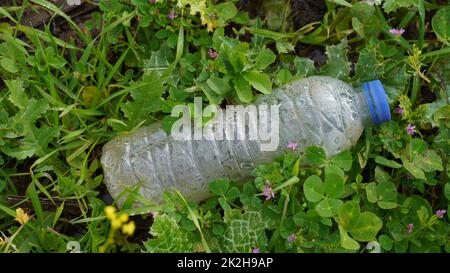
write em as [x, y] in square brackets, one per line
[377, 101]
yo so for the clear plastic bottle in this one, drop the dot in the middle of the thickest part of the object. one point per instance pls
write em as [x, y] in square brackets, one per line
[318, 110]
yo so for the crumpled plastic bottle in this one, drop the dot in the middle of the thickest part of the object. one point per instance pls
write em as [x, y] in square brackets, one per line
[318, 110]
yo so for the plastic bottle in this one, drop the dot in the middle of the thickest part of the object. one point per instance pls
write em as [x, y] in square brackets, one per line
[318, 110]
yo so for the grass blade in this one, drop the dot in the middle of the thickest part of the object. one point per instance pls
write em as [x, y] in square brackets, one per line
[56, 10]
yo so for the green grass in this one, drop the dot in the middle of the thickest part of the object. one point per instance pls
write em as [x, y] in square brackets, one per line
[62, 98]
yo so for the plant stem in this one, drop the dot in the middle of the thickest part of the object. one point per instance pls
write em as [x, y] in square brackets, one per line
[421, 24]
[438, 52]
[415, 88]
[12, 238]
[285, 14]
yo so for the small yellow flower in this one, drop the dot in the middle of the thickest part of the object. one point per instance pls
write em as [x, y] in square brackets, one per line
[123, 218]
[102, 249]
[21, 216]
[110, 212]
[128, 228]
[115, 224]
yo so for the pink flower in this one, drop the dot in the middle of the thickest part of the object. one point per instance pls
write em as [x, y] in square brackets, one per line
[255, 250]
[292, 145]
[397, 32]
[292, 238]
[171, 15]
[152, 1]
[213, 54]
[268, 192]
[399, 110]
[440, 213]
[409, 228]
[410, 129]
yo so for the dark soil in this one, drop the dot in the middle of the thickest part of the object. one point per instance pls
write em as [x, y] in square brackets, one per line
[307, 11]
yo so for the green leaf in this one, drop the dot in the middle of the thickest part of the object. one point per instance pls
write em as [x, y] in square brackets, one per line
[243, 89]
[6, 14]
[218, 85]
[35, 140]
[9, 65]
[346, 241]
[291, 181]
[386, 242]
[226, 10]
[2, 183]
[39, 138]
[232, 194]
[428, 161]
[34, 110]
[381, 175]
[342, 2]
[349, 214]
[146, 99]
[18, 153]
[33, 195]
[218, 230]
[447, 190]
[388, 163]
[219, 187]
[387, 205]
[238, 60]
[296, 168]
[412, 169]
[53, 59]
[371, 192]
[284, 76]
[224, 204]
[168, 237]
[265, 58]
[358, 26]
[386, 50]
[441, 24]
[343, 160]
[301, 218]
[416, 146]
[334, 185]
[335, 170]
[17, 94]
[368, 66]
[423, 215]
[314, 189]
[213, 98]
[244, 232]
[260, 81]
[441, 116]
[328, 207]
[337, 65]
[387, 191]
[367, 227]
[304, 67]
[393, 5]
[315, 155]
[284, 46]
[362, 10]
[242, 18]
[158, 62]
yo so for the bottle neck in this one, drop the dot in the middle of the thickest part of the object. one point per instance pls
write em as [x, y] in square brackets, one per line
[364, 111]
